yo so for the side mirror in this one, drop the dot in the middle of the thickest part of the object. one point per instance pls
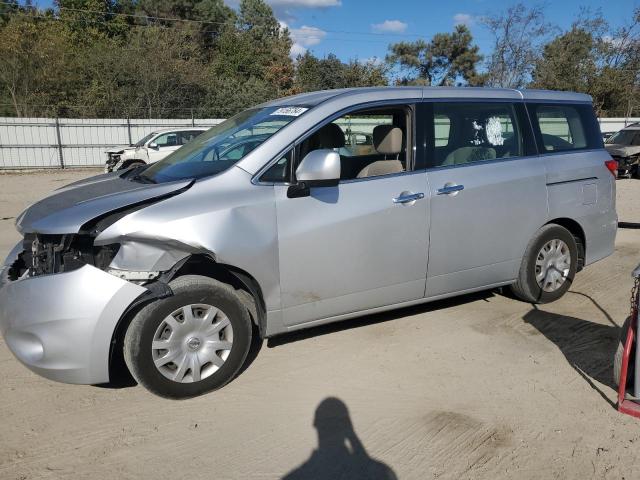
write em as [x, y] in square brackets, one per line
[319, 168]
[153, 145]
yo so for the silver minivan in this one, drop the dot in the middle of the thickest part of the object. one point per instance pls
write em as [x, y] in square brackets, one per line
[302, 211]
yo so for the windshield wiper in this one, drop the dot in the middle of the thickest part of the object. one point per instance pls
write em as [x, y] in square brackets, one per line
[136, 175]
[143, 179]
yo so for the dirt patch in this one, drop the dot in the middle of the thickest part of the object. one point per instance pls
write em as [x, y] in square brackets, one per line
[477, 387]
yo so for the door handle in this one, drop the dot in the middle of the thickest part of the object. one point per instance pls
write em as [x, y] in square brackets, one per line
[408, 197]
[450, 189]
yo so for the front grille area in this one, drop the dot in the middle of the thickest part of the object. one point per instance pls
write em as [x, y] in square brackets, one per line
[624, 161]
[113, 158]
[47, 254]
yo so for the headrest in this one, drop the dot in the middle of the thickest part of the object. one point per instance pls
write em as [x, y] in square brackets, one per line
[329, 136]
[387, 139]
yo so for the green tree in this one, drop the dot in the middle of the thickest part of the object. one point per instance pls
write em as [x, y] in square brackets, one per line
[252, 58]
[37, 64]
[314, 73]
[519, 34]
[568, 62]
[87, 20]
[448, 59]
[209, 17]
[592, 59]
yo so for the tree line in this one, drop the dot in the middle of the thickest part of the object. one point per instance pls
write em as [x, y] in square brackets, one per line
[176, 58]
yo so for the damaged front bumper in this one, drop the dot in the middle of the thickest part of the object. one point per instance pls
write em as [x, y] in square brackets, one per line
[60, 325]
[113, 159]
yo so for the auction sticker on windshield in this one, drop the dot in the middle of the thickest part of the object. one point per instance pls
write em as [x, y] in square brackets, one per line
[290, 111]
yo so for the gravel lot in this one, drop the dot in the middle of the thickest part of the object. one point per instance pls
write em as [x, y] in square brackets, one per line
[481, 386]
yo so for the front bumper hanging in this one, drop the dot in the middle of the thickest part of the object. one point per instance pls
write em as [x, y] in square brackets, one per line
[60, 325]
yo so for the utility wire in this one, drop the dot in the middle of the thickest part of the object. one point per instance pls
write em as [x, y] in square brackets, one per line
[205, 22]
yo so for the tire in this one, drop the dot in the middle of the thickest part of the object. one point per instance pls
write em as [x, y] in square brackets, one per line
[131, 164]
[181, 322]
[617, 359]
[526, 286]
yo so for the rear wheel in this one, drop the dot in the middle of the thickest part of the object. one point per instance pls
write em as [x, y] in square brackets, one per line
[190, 343]
[548, 266]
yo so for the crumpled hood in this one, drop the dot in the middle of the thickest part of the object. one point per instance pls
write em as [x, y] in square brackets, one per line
[119, 149]
[622, 150]
[67, 209]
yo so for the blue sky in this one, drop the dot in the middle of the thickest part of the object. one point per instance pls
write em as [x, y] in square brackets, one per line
[363, 29]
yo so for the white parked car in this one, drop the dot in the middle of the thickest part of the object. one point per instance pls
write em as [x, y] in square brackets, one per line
[151, 148]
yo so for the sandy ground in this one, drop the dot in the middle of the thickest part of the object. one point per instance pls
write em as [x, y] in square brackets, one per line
[481, 387]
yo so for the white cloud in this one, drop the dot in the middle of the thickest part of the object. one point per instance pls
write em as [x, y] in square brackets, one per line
[614, 42]
[305, 3]
[463, 19]
[307, 36]
[303, 37]
[389, 26]
[297, 49]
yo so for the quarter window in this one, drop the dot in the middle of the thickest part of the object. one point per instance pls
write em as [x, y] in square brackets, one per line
[472, 132]
[561, 128]
[279, 171]
[442, 127]
[565, 127]
[187, 136]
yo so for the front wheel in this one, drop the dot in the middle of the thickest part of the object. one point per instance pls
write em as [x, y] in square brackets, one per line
[190, 343]
[548, 266]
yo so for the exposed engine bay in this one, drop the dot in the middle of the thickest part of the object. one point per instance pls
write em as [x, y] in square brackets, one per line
[47, 254]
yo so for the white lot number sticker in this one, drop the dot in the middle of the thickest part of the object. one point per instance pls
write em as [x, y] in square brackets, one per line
[290, 111]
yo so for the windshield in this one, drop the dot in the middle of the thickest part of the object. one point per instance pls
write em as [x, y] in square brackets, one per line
[144, 140]
[220, 147]
[623, 137]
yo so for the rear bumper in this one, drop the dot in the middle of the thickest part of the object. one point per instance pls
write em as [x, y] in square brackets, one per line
[600, 232]
[60, 326]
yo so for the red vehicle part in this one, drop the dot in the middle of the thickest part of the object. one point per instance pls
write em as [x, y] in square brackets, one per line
[625, 405]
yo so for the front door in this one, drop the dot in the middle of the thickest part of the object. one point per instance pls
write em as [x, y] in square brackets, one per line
[164, 145]
[350, 247]
[364, 243]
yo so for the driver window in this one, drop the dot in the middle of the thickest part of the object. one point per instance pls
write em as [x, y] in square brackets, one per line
[167, 140]
[371, 142]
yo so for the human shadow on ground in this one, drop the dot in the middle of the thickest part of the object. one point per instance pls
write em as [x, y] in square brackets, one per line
[340, 453]
[589, 347]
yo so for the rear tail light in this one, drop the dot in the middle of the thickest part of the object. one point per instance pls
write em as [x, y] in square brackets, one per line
[612, 166]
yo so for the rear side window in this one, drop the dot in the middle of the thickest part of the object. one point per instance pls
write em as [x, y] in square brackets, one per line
[187, 136]
[442, 127]
[565, 127]
[472, 132]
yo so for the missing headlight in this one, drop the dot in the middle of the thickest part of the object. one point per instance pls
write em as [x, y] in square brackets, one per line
[46, 254]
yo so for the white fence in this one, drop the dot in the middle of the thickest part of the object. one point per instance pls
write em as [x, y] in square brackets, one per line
[58, 143]
[612, 124]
